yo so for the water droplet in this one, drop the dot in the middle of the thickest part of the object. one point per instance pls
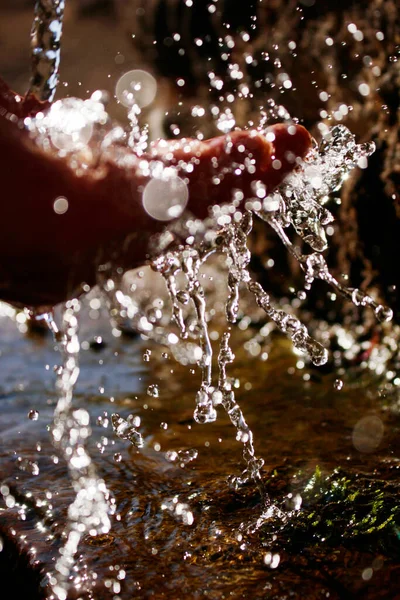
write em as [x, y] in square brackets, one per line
[103, 420]
[28, 466]
[181, 457]
[338, 384]
[364, 89]
[272, 560]
[127, 429]
[384, 314]
[153, 390]
[180, 510]
[367, 574]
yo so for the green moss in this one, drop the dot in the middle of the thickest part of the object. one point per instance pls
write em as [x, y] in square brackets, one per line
[343, 509]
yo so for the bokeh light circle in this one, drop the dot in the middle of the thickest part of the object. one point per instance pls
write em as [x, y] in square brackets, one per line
[136, 87]
[165, 198]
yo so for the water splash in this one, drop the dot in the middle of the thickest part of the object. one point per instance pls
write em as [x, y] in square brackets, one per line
[69, 127]
[300, 201]
[299, 204]
[234, 242]
[135, 90]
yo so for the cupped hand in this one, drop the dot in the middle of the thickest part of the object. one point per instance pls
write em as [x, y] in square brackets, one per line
[46, 256]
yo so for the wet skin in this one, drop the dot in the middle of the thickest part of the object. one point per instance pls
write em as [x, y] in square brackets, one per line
[47, 257]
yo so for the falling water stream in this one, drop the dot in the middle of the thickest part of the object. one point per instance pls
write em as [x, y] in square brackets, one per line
[181, 321]
[46, 48]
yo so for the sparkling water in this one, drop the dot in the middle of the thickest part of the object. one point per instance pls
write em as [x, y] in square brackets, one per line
[81, 132]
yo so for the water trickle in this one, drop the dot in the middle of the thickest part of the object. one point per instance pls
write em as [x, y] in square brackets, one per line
[89, 512]
[188, 261]
[226, 397]
[135, 90]
[46, 48]
[235, 245]
[291, 326]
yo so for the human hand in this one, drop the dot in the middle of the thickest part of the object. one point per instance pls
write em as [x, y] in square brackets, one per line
[47, 255]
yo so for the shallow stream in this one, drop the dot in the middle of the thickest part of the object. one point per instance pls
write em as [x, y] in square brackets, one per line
[329, 524]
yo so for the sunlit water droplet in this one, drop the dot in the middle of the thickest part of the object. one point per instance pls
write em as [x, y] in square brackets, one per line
[179, 510]
[384, 314]
[33, 415]
[338, 384]
[272, 560]
[181, 457]
[29, 466]
[127, 429]
[60, 205]
[153, 391]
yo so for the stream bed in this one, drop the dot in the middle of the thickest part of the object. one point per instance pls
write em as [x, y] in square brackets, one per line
[328, 526]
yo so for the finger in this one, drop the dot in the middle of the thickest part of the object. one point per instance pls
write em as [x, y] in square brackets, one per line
[239, 161]
[19, 106]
